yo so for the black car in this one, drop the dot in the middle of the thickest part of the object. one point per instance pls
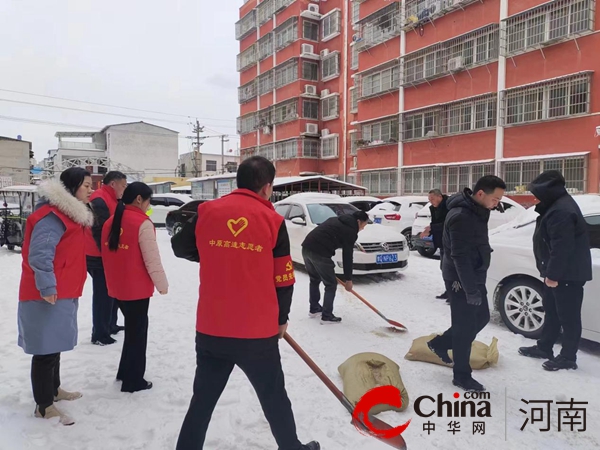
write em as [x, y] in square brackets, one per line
[175, 219]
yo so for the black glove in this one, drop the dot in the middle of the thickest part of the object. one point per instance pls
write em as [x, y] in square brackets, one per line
[474, 299]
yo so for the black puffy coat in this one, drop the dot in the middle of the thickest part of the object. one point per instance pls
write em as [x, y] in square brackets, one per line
[560, 242]
[467, 250]
[438, 217]
[335, 232]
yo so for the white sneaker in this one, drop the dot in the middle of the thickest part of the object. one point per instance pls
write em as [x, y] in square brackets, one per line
[51, 412]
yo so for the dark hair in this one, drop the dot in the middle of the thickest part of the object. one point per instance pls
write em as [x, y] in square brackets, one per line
[361, 215]
[254, 173]
[489, 184]
[73, 178]
[436, 192]
[113, 175]
[131, 193]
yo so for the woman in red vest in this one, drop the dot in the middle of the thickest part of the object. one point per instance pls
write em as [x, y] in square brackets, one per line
[133, 269]
[52, 279]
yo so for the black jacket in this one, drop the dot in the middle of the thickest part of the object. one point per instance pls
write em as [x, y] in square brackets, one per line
[335, 232]
[560, 242]
[467, 250]
[438, 217]
[101, 215]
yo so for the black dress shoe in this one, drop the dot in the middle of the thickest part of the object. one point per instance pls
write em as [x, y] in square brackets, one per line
[117, 329]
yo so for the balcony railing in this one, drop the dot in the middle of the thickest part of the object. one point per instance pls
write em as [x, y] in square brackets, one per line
[81, 145]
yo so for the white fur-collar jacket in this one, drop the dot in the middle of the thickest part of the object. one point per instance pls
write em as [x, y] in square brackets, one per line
[57, 195]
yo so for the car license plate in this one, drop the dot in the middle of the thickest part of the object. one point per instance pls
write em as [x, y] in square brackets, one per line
[387, 258]
[377, 220]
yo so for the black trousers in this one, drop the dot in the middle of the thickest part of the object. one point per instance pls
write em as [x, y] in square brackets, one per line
[104, 307]
[259, 359]
[562, 306]
[45, 379]
[320, 269]
[133, 355]
[467, 321]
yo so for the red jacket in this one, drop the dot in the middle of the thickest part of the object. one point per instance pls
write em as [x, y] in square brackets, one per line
[125, 270]
[244, 257]
[109, 196]
[69, 259]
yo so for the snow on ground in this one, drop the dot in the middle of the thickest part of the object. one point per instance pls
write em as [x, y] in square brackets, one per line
[109, 419]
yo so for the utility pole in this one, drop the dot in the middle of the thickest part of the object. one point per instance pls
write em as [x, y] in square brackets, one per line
[197, 142]
[223, 140]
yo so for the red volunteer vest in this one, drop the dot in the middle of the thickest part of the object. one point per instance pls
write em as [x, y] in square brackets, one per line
[109, 196]
[69, 259]
[235, 236]
[125, 270]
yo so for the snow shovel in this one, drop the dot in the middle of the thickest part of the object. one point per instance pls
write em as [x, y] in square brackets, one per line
[395, 442]
[396, 326]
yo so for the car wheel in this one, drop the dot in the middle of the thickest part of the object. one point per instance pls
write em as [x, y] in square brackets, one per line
[520, 305]
[177, 228]
[426, 251]
[408, 235]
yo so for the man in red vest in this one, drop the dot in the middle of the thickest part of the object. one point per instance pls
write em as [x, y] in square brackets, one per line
[246, 287]
[104, 308]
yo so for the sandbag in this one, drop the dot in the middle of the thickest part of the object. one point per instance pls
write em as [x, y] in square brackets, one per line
[365, 371]
[482, 356]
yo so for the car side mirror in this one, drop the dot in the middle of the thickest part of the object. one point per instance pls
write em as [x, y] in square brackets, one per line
[299, 221]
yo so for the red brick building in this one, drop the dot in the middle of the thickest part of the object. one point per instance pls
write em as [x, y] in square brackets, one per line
[406, 97]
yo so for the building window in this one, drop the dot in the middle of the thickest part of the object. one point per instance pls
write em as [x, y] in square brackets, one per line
[330, 146]
[331, 24]
[247, 58]
[421, 180]
[469, 50]
[286, 73]
[310, 109]
[355, 11]
[354, 140]
[353, 100]
[247, 123]
[265, 11]
[286, 33]
[354, 56]
[265, 83]
[310, 30]
[379, 133]
[310, 148]
[380, 26]
[330, 66]
[310, 71]
[266, 151]
[265, 46]
[285, 112]
[561, 97]
[265, 118]
[518, 174]
[330, 107]
[247, 92]
[548, 23]
[211, 166]
[287, 149]
[380, 182]
[477, 113]
[245, 25]
[379, 82]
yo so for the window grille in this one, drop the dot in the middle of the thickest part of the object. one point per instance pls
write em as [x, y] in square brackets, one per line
[548, 24]
[330, 147]
[561, 97]
[330, 107]
[310, 30]
[247, 92]
[247, 58]
[310, 109]
[265, 46]
[417, 11]
[379, 27]
[286, 73]
[286, 33]
[331, 24]
[310, 71]
[380, 81]
[330, 66]
[247, 123]
[245, 25]
[384, 132]
[380, 181]
[518, 174]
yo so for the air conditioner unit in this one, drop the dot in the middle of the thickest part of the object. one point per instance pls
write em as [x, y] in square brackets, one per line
[431, 133]
[455, 63]
[310, 89]
[324, 53]
[324, 132]
[266, 130]
[308, 49]
[324, 93]
[313, 8]
[312, 128]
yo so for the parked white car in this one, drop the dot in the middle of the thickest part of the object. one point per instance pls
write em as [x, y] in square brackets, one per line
[363, 202]
[513, 282]
[398, 213]
[425, 247]
[378, 249]
[162, 204]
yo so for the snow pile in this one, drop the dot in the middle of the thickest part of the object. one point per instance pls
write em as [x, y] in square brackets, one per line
[150, 420]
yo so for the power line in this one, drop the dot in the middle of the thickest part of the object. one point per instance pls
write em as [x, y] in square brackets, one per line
[114, 106]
